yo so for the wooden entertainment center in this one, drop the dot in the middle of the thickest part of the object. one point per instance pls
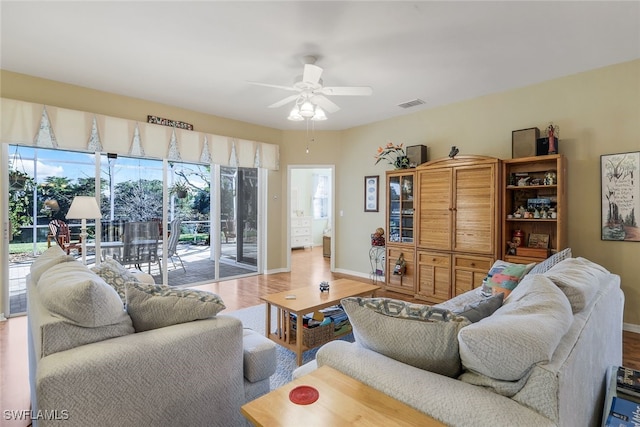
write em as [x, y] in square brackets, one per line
[451, 219]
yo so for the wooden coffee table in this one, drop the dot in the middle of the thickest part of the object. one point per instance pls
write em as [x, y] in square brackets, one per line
[343, 401]
[307, 300]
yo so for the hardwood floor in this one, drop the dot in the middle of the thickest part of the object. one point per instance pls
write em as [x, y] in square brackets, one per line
[309, 267]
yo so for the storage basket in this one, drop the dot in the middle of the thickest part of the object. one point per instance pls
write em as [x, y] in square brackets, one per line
[313, 337]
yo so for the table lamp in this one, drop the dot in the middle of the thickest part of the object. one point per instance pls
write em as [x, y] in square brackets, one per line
[84, 207]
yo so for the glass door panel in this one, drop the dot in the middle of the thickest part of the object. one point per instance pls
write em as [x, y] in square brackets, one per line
[238, 221]
[54, 178]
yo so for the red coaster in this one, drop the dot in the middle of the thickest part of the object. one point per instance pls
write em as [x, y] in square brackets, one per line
[304, 395]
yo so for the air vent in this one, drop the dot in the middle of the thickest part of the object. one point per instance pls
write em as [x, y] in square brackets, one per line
[411, 103]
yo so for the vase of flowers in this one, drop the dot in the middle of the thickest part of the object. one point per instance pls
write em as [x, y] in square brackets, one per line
[394, 154]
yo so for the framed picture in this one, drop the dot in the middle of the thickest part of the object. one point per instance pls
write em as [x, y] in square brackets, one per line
[371, 193]
[538, 241]
[620, 193]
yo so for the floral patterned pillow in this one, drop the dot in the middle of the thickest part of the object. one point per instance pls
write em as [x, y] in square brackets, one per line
[115, 275]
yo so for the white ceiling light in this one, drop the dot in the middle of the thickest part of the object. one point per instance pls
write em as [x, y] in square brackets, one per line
[312, 94]
[307, 110]
[294, 115]
[319, 115]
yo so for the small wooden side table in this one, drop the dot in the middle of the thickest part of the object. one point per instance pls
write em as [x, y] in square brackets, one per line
[343, 401]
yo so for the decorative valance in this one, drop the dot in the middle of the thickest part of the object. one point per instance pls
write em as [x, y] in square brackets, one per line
[52, 127]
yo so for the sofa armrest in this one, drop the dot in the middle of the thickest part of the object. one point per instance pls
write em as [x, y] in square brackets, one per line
[185, 374]
[259, 356]
[448, 400]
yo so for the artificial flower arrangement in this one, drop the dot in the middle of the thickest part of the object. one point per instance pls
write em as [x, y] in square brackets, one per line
[394, 154]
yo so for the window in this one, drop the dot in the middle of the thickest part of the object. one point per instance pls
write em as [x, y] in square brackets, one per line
[320, 196]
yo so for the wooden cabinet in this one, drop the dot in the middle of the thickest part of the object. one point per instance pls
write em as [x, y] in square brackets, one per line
[405, 282]
[534, 204]
[400, 206]
[301, 228]
[458, 231]
[468, 272]
[433, 276]
[459, 206]
[435, 208]
[400, 230]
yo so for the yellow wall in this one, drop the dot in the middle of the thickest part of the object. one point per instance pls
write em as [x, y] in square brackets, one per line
[598, 112]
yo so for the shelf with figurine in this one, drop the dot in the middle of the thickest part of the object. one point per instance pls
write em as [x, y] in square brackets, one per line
[534, 204]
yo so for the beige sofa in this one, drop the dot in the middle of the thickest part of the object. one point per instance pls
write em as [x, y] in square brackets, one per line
[89, 367]
[538, 360]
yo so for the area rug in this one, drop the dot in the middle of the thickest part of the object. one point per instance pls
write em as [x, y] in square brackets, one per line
[254, 318]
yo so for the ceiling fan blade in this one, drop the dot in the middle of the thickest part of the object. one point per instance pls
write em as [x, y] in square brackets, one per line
[347, 90]
[311, 74]
[289, 88]
[325, 103]
[284, 101]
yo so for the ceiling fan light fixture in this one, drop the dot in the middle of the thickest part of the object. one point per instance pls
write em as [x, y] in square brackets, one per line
[319, 115]
[307, 110]
[294, 115]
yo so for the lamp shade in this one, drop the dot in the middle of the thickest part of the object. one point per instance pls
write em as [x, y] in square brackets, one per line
[319, 115]
[295, 115]
[307, 110]
[84, 207]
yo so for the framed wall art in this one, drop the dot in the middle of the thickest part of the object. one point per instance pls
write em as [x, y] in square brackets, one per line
[371, 187]
[620, 193]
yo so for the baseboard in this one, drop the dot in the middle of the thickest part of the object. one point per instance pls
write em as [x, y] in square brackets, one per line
[352, 273]
[630, 327]
[277, 270]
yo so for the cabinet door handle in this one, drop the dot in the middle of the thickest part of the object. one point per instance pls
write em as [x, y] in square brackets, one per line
[433, 260]
[473, 264]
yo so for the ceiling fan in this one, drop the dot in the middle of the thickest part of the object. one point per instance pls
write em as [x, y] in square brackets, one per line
[311, 93]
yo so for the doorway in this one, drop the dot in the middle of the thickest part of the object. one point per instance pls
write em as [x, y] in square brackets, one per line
[310, 209]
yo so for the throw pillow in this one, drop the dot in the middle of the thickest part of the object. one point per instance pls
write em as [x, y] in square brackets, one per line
[545, 265]
[481, 309]
[521, 333]
[115, 275]
[75, 293]
[578, 278]
[415, 334]
[47, 259]
[505, 276]
[156, 306]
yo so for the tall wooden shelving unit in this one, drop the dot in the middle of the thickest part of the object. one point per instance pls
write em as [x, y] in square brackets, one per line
[514, 196]
[447, 227]
[459, 227]
[400, 230]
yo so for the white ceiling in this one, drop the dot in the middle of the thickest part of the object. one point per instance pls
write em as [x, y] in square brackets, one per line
[199, 55]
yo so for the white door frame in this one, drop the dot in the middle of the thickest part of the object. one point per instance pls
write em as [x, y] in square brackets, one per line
[332, 169]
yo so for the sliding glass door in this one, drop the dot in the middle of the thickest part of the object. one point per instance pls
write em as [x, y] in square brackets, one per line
[238, 221]
[52, 178]
[206, 233]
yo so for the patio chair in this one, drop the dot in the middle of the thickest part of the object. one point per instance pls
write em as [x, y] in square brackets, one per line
[140, 243]
[59, 231]
[172, 243]
[228, 231]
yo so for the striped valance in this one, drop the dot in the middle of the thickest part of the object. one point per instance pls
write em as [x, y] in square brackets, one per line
[54, 127]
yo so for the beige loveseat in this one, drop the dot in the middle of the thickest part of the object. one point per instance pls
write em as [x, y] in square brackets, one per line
[539, 360]
[89, 366]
